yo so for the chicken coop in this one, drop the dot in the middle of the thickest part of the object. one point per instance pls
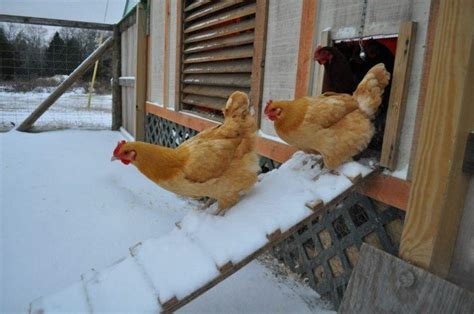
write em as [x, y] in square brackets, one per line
[180, 60]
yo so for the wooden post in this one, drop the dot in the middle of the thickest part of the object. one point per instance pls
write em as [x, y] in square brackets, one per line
[140, 74]
[166, 65]
[74, 76]
[439, 186]
[305, 67]
[396, 108]
[116, 89]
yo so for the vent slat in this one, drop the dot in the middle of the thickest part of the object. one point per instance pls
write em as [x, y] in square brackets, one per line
[235, 66]
[222, 18]
[221, 92]
[211, 9]
[204, 101]
[232, 80]
[238, 40]
[221, 31]
[196, 5]
[220, 55]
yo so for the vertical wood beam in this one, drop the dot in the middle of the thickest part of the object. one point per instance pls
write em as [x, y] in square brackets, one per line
[140, 74]
[319, 82]
[166, 65]
[398, 95]
[439, 186]
[305, 66]
[258, 63]
[116, 88]
[179, 54]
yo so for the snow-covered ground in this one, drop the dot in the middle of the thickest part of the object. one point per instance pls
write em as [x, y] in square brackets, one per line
[65, 208]
[69, 111]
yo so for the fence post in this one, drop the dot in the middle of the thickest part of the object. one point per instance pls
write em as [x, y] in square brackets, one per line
[116, 72]
[140, 74]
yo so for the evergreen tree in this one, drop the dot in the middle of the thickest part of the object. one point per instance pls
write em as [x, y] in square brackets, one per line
[55, 57]
[73, 54]
[7, 52]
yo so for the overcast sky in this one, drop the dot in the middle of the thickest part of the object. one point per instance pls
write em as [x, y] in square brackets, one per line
[78, 10]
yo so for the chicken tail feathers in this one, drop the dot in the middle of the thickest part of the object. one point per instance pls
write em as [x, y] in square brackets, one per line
[370, 90]
[237, 104]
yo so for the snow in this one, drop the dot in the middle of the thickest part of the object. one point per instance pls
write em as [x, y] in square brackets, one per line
[65, 209]
[176, 265]
[70, 110]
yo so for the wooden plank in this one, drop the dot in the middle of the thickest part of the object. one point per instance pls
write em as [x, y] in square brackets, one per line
[222, 18]
[305, 64]
[318, 83]
[382, 283]
[179, 55]
[439, 185]
[434, 9]
[221, 92]
[237, 40]
[116, 90]
[196, 5]
[55, 22]
[234, 66]
[258, 64]
[388, 190]
[398, 95]
[277, 238]
[73, 77]
[221, 55]
[221, 31]
[166, 65]
[234, 80]
[204, 101]
[468, 163]
[140, 74]
[214, 7]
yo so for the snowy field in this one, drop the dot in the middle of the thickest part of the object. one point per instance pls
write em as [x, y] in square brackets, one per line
[69, 111]
[65, 209]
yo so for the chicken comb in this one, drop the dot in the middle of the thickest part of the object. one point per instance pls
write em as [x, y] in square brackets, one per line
[119, 145]
[267, 107]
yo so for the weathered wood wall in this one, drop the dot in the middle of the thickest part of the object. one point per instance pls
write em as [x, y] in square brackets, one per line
[129, 43]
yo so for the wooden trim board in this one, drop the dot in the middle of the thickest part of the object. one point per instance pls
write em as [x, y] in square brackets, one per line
[305, 65]
[141, 73]
[398, 94]
[388, 190]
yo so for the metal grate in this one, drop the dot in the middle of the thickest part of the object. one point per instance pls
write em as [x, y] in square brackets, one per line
[325, 250]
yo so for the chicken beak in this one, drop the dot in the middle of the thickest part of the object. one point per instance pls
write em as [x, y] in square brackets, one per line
[113, 158]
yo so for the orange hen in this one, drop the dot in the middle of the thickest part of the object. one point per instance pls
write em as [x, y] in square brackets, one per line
[219, 162]
[337, 126]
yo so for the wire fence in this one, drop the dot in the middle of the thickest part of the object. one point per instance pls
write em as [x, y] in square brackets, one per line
[35, 60]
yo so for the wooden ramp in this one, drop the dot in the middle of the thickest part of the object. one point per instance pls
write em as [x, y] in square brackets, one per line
[164, 274]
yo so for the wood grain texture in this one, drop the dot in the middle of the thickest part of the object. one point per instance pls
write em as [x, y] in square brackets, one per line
[318, 83]
[140, 74]
[434, 9]
[439, 185]
[398, 95]
[305, 53]
[258, 61]
[166, 55]
[54, 22]
[388, 190]
[382, 283]
[179, 54]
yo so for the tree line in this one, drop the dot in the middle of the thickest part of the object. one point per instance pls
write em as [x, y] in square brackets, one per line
[25, 53]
